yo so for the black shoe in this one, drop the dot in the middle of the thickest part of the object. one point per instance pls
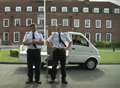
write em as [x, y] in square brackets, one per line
[64, 82]
[38, 82]
[52, 81]
[29, 82]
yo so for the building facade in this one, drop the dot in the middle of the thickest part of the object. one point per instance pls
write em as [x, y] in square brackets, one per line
[98, 21]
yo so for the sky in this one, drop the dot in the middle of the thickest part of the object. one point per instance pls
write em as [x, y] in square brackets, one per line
[114, 1]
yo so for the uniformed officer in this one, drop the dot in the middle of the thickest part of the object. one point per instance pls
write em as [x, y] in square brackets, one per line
[33, 40]
[60, 42]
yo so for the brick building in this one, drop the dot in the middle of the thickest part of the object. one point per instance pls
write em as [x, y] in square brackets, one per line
[99, 21]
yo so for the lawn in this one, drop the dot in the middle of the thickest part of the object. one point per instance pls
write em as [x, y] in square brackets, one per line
[5, 57]
[107, 56]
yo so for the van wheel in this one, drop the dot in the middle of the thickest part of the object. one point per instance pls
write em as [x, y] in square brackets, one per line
[91, 64]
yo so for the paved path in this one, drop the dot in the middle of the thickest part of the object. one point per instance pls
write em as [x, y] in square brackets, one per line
[105, 76]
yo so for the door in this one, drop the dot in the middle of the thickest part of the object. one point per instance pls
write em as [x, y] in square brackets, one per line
[79, 50]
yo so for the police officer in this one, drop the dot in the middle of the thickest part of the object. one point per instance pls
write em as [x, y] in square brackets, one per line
[60, 42]
[33, 40]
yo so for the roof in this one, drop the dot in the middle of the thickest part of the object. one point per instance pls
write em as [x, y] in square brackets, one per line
[68, 3]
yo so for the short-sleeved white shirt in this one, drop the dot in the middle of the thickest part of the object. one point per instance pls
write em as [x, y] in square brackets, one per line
[54, 39]
[28, 38]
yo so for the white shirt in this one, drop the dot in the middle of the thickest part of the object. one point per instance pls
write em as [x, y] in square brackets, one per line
[28, 38]
[54, 39]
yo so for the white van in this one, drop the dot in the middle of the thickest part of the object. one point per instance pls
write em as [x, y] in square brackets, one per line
[82, 52]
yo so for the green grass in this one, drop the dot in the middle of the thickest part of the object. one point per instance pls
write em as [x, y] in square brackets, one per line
[107, 56]
[5, 57]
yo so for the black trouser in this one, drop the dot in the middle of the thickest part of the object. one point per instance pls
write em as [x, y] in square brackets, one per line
[33, 59]
[59, 54]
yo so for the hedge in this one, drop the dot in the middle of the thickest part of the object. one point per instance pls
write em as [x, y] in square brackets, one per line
[14, 53]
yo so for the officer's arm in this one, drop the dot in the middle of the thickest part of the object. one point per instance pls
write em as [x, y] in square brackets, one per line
[49, 42]
[25, 40]
[41, 40]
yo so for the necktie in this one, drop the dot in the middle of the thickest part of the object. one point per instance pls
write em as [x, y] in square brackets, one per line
[60, 40]
[33, 37]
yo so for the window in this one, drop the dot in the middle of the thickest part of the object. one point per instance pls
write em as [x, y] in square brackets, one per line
[87, 35]
[29, 8]
[40, 9]
[75, 9]
[85, 9]
[108, 37]
[106, 10]
[76, 23]
[87, 23]
[64, 9]
[17, 22]
[116, 10]
[108, 23]
[98, 23]
[96, 10]
[53, 9]
[79, 40]
[41, 22]
[6, 23]
[28, 21]
[16, 36]
[5, 36]
[18, 8]
[53, 22]
[7, 8]
[65, 22]
[98, 37]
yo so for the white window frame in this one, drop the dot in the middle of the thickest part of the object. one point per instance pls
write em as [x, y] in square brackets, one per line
[85, 10]
[109, 24]
[17, 20]
[65, 22]
[27, 19]
[8, 24]
[76, 23]
[53, 9]
[96, 10]
[65, 9]
[110, 35]
[18, 9]
[14, 38]
[29, 8]
[106, 10]
[99, 37]
[4, 33]
[40, 8]
[89, 35]
[54, 22]
[75, 9]
[87, 23]
[117, 10]
[7, 8]
[98, 23]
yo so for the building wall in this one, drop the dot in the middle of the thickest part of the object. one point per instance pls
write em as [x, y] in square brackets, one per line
[115, 31]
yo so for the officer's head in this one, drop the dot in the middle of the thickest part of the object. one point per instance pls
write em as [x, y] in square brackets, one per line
[32, 27]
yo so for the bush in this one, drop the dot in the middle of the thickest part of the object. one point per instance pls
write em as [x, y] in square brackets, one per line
[14, 53]
[103, 44]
